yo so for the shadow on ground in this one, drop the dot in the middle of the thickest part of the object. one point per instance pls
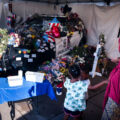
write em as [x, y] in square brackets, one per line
[46, 109]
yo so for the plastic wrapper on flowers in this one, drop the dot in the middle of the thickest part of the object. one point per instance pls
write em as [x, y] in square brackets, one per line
[14, 39]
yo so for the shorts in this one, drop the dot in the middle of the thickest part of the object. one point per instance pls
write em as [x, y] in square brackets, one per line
[73, 113]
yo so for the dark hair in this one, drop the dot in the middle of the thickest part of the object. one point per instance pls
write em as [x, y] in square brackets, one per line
[86, 68]
[74, 70]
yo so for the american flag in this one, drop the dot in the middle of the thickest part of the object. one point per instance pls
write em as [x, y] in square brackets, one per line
[54, 24]
[49, 36]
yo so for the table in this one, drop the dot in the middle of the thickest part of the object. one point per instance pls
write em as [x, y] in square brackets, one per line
[27, 90]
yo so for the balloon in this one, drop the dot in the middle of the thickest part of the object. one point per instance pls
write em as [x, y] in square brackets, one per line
[55, 31]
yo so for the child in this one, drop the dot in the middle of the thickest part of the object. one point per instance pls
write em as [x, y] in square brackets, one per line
[77, 87]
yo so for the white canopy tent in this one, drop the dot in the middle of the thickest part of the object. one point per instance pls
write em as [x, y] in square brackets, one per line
[98, 18]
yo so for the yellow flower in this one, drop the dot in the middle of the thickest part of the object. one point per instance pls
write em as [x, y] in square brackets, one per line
[62, 69]
[33, 36]
[62, 62]
[19, 51]
[76, 56]
[45, 74]
[30, 29]
[70, 33]
[85, 46]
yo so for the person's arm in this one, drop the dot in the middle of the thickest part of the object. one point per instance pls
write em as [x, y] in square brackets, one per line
[115, 60]
[97, 85]
[63, 79]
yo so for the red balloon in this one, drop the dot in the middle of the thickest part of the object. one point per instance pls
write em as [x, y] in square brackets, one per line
[55, 31]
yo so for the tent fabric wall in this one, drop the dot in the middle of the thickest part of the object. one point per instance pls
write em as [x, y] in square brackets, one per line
[96, 19]
[70, 1]
[4, 1]
[100, 19]
[3, 15]
[25, 9]
[1, 10]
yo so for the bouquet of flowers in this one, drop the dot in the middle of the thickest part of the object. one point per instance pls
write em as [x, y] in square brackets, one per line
[83, 55]
[102, 42]
[3, 40]
[102, 63]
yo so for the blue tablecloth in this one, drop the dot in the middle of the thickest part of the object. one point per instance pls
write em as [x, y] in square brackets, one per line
[27, 90]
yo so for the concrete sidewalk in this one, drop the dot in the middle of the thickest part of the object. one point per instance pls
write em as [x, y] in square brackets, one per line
[53, 110]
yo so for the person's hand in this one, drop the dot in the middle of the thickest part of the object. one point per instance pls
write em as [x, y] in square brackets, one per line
[115, 60]
[106, 81]
[62, 76]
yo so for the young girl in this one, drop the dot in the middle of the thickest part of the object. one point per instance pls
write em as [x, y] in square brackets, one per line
[77, 87]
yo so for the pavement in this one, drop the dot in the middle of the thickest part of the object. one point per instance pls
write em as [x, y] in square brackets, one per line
[48, 109]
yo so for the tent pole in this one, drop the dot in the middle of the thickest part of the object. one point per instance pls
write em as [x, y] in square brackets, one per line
[107, 2]
[10, 5]
[57, 2]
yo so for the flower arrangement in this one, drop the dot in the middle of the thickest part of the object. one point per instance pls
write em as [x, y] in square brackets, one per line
[3, 40]
[102, 43]
[83, 55]
[14, 39]
[102, 62]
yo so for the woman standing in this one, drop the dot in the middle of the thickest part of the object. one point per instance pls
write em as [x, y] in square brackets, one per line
[111, 104]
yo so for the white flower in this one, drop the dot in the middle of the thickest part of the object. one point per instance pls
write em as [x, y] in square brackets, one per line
[3, 42]
[82, 60]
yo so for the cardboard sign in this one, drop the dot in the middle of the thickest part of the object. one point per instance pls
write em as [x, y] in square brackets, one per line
[34, 55]
[15, 81]
[34, 76]
[30, 60]
[26, 56]
[18, 58]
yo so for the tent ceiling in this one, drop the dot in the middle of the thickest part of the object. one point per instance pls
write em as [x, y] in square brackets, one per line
[69, 1]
